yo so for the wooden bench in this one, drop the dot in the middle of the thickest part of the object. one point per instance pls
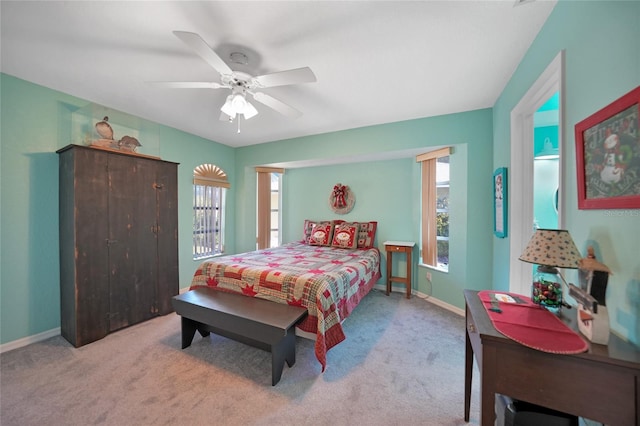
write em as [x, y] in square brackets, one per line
[257, 322]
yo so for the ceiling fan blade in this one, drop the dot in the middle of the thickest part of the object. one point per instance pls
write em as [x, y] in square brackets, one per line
[274, 103]
[282, 78]
[196, 42]
[188, 84]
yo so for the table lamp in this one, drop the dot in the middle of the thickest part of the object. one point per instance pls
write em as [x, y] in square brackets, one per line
[550, 249]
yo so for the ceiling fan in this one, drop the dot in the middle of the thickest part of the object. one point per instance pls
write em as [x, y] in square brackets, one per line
[241, 83]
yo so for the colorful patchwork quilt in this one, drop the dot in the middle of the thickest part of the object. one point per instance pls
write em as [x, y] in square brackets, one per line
[328, 281]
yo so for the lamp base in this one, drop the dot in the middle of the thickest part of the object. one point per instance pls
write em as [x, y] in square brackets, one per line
[546, 290]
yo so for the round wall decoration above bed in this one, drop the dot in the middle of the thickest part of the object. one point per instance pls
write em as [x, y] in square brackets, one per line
[341, 199]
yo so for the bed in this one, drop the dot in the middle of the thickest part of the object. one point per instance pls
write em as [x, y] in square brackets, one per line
[328, 281]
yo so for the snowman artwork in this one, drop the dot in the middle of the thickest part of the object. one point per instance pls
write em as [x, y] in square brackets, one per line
[612, 168]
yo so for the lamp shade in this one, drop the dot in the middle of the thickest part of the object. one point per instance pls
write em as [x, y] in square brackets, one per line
[552, 247]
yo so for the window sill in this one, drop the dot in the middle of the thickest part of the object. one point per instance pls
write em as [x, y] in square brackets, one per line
[434, 268]
[203, 258]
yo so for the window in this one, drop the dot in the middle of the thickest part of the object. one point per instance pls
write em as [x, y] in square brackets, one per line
[209, 190]
[268, 212]
[435, 208]
[442, 212]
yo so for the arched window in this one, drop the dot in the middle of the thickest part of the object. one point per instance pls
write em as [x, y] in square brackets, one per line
[209, 189]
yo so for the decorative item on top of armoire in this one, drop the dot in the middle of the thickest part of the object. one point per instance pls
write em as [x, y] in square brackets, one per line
[341, 199]
[128, 143]
[105, 131]
[118, 240]
[593, 317]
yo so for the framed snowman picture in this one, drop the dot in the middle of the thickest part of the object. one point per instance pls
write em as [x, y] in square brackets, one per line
[608, 156]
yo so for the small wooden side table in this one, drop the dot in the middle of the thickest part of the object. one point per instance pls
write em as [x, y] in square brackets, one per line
[399, 247]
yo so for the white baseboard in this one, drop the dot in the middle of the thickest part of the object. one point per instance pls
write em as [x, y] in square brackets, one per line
[438, 302]
[431, 299]
[56, 331]
[9, 346]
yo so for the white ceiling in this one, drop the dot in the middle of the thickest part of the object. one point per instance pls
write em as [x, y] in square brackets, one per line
[375, 62]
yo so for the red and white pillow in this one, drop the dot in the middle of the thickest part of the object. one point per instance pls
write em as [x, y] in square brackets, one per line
[366, 234]
[321, 234]
[345, 235]
[308, 228]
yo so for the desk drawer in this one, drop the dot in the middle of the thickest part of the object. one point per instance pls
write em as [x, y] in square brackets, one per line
[398, 249]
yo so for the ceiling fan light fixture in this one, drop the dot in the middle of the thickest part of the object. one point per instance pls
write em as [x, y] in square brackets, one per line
[250, 111]
[238, 102]
[228, 108]
[240, 83]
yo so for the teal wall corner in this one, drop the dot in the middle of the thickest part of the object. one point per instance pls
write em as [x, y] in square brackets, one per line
[591, 34]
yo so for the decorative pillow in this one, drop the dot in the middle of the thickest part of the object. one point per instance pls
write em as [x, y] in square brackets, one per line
[321, 234]
[366, 234]
[308, 227]
[306, 232]
[345, 235]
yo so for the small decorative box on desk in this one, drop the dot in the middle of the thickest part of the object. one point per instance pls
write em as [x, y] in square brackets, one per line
[399, 247]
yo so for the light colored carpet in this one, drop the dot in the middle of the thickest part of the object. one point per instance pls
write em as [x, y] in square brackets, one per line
[401, 364]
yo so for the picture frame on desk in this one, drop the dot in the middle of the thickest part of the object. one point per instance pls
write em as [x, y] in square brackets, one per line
[500, 202]
[608, 155]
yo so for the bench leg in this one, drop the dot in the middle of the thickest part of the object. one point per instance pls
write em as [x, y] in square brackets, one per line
[189, 328]
[290, 344]
[284, 350]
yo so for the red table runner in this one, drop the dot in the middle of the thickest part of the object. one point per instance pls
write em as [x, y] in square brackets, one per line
[529, 324]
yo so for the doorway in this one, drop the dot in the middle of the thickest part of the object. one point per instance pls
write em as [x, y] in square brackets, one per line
[546, 164]
[522, 209]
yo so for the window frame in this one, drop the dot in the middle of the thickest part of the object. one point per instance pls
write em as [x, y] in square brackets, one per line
[264, 209]
[214, 245]
[210, 187]
[429, 209]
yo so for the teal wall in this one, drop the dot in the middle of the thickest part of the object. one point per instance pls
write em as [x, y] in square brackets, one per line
[35, 123]
[602, 63]
[387, 191]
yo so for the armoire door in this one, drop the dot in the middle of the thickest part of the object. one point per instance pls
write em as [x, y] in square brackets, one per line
[84, 277]
[132, 240]
[167, 201]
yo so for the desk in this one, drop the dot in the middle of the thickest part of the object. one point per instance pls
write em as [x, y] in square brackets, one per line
[602, 384]
[399, 247]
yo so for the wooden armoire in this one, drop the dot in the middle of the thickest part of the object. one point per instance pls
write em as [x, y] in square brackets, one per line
[118, 240]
